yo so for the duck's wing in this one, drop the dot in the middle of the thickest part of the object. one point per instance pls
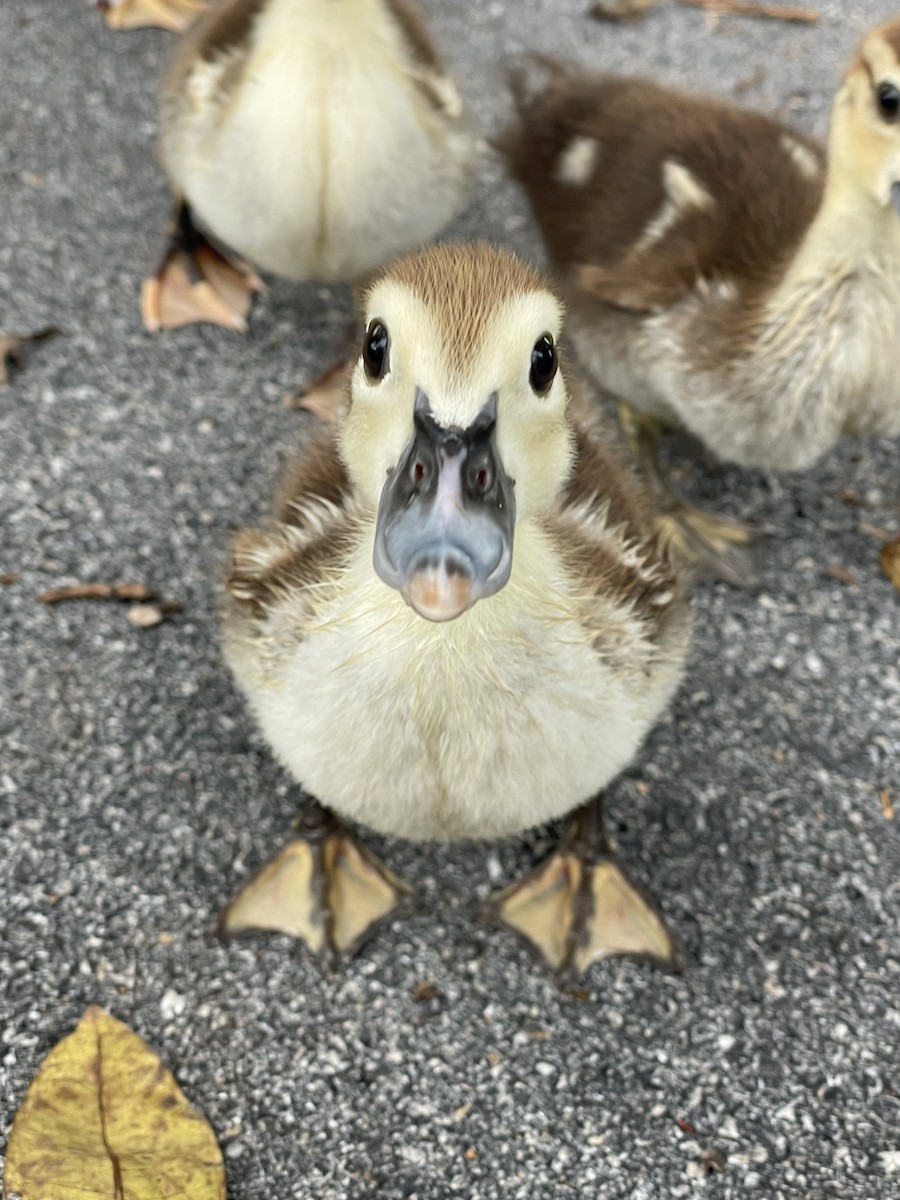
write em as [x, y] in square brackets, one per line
[221, 37]
[316, 525]
[604, 533]
[425, 65]
[643, 193]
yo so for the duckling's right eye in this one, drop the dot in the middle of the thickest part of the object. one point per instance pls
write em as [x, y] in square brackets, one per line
[375, 351]
[888, 101]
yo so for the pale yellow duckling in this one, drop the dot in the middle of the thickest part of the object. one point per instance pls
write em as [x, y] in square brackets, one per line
[461, 623]
[724, 273]
[314, 138]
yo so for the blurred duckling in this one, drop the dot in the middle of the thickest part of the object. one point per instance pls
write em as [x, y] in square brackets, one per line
[723, 273]
[314, 138]
[461, 622]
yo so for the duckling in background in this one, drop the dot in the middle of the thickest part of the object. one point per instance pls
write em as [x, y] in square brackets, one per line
[176, 15]
[314, 138]
[461, 622]
[723, 273]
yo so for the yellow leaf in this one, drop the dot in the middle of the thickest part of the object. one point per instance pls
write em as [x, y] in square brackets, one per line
[890, 561]
[104, 1120]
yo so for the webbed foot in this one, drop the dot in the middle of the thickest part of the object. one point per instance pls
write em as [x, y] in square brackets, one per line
[580, 905]
[324, 888]
[328, 396]
[176, 15]
[196, 282]
[712, 546]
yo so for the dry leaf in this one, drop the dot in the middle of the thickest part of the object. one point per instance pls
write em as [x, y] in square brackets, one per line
[742, 8]
[12, 345]
[621, 10]
[886, 807]
[97, 591]
[104, 1120]
[836, 571]
[9, 578]
[424, 991]
[890, 561]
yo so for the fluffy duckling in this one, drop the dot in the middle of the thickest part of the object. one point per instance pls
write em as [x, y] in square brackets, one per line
[724, 273]
[461, 623]
[314, 138]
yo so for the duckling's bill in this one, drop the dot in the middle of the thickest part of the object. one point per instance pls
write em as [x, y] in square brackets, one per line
[446, 519]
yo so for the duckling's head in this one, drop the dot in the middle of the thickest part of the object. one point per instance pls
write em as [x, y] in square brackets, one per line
[864, 143]
[456, 430]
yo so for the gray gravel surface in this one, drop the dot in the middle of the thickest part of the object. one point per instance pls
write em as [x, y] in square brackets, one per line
[138, 796]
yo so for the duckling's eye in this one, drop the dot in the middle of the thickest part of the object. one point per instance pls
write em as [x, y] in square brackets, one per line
[375, 351]
[888, 101]
[543, 364]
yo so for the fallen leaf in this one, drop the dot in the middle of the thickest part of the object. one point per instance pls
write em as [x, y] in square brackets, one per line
[104, 1120]
[886, 807]
[621, 10]
[836, 571]
[424, 991]
[890, 561]
[12, 345]
[685, 1126]
[9, 578]
[852, 497]
[97, 591]
[742, 8]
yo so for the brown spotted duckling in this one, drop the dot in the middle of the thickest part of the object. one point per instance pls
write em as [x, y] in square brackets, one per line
[461, 622]
[723, 273]
[316, 139]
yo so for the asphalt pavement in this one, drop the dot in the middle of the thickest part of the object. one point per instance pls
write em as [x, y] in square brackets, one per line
[137, 795]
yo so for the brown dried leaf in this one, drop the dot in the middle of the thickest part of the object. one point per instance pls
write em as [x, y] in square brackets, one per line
[890, 561]
[97, 591]
[9, 578]
[886, 807]
[836, 571]
[621, 10]
[12, 345]
[743, 8]
[104, 1120]
[424, 991]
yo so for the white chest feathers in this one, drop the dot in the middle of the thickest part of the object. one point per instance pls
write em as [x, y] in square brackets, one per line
[320, 156]
[493, 723]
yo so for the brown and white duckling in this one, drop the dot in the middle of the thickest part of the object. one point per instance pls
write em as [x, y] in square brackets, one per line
[314, 138]
[461, 622]
[722, 272]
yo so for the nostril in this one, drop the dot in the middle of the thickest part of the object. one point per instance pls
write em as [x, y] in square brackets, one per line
[418, 471]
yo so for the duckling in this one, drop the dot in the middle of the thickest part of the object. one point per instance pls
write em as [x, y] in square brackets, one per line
[314, 138]
[461, 622]
[725, 274]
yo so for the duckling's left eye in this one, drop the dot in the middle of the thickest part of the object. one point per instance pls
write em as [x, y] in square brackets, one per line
[888, 101]
[375, 351]
[543, 364]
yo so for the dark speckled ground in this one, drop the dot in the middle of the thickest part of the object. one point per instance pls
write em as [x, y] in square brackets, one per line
[138, 795]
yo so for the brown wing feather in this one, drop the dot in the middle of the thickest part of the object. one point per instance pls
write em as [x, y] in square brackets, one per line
[316, 523]
[762, 203]
[603, 530]
[225, 27]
